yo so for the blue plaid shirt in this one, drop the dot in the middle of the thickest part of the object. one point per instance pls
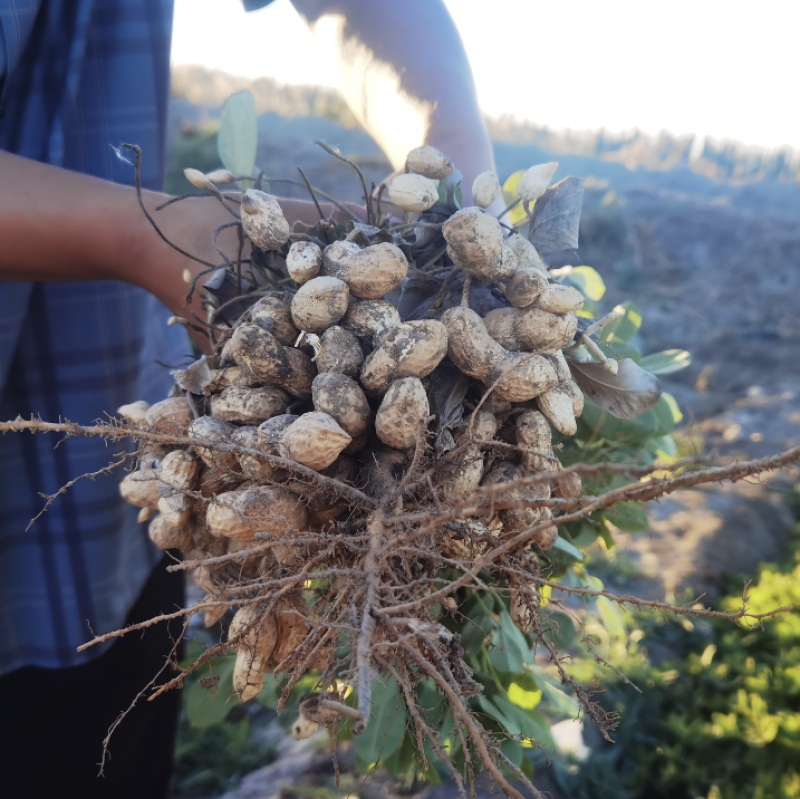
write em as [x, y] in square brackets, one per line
[77, 76]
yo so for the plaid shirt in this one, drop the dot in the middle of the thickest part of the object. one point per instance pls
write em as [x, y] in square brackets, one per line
[77, 76]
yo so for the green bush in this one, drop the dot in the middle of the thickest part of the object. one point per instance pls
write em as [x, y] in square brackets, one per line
[720, 714]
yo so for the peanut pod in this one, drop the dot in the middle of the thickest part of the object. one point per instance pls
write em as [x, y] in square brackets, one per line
[411, 349]
[516, 377]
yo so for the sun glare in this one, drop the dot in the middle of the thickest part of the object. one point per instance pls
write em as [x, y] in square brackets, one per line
[713, 68]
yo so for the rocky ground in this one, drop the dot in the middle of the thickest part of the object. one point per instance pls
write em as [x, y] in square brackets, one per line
[715, 269]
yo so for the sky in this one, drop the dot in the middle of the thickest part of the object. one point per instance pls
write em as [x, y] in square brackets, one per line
[726, 69]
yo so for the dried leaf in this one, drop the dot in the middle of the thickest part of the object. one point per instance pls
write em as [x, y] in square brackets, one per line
[448, 389]
[195, 377]
[629, 393]
[419, 289]
[556, 217]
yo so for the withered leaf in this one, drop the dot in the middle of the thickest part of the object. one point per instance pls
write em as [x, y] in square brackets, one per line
[418, 289]
[448, 389]
[630, 392]
[195, 377]
[557, 216]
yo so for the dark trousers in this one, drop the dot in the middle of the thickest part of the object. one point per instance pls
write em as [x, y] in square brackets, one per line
[53, 721]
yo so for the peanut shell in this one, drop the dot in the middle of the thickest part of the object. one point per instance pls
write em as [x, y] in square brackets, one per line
[402, 413]
[541, 330]
[573, 391]
[486, 189]
[258, 631]
[253, 467]
[560, 299]
[166, 536]
[179, 471]
[292, 628]
[469, 473]
[334, 254]
[175, 510]
[342, 399]
[503, 266]
[525, 287]
[140, 488]
[134, 412]
[534, 435]
[339, 352]
[229, 376]
[526, 253]
[303, 261]
[208, 430]
[474, 239]
[273, 315]
[516, 519]
[430, 162]
[412, 192]
[263, 220]
[320, 303]
[260, 509]
[171, 416]
[556, 405]
[533, 184]
[314, 440]
[411, 349]
[368, 317]
[249, 406]
[372, 272]
[501, 325]
[248, 675]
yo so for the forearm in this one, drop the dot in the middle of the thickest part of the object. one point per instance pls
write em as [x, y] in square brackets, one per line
[57, 225]
[406, 75]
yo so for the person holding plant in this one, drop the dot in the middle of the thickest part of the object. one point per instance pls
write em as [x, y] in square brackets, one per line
[88, 287]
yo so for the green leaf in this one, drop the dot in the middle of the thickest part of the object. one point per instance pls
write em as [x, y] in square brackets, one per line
[207, 707]
[624, 328]
[664, 448]
[475, 633]
[270, 693]
[630, 517]
[557, 695]
[674, 408]
[621, 350]
[387, 723]
[666, 362]
[656, 422]
[588, 281]
[590, 310]
[530, 723]
[611, 617]
[238, 133]
[511, 650]
[563, 630]
[513, 751]
[492, 710]
[565, 546]
[404, 761]
[523, 698]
